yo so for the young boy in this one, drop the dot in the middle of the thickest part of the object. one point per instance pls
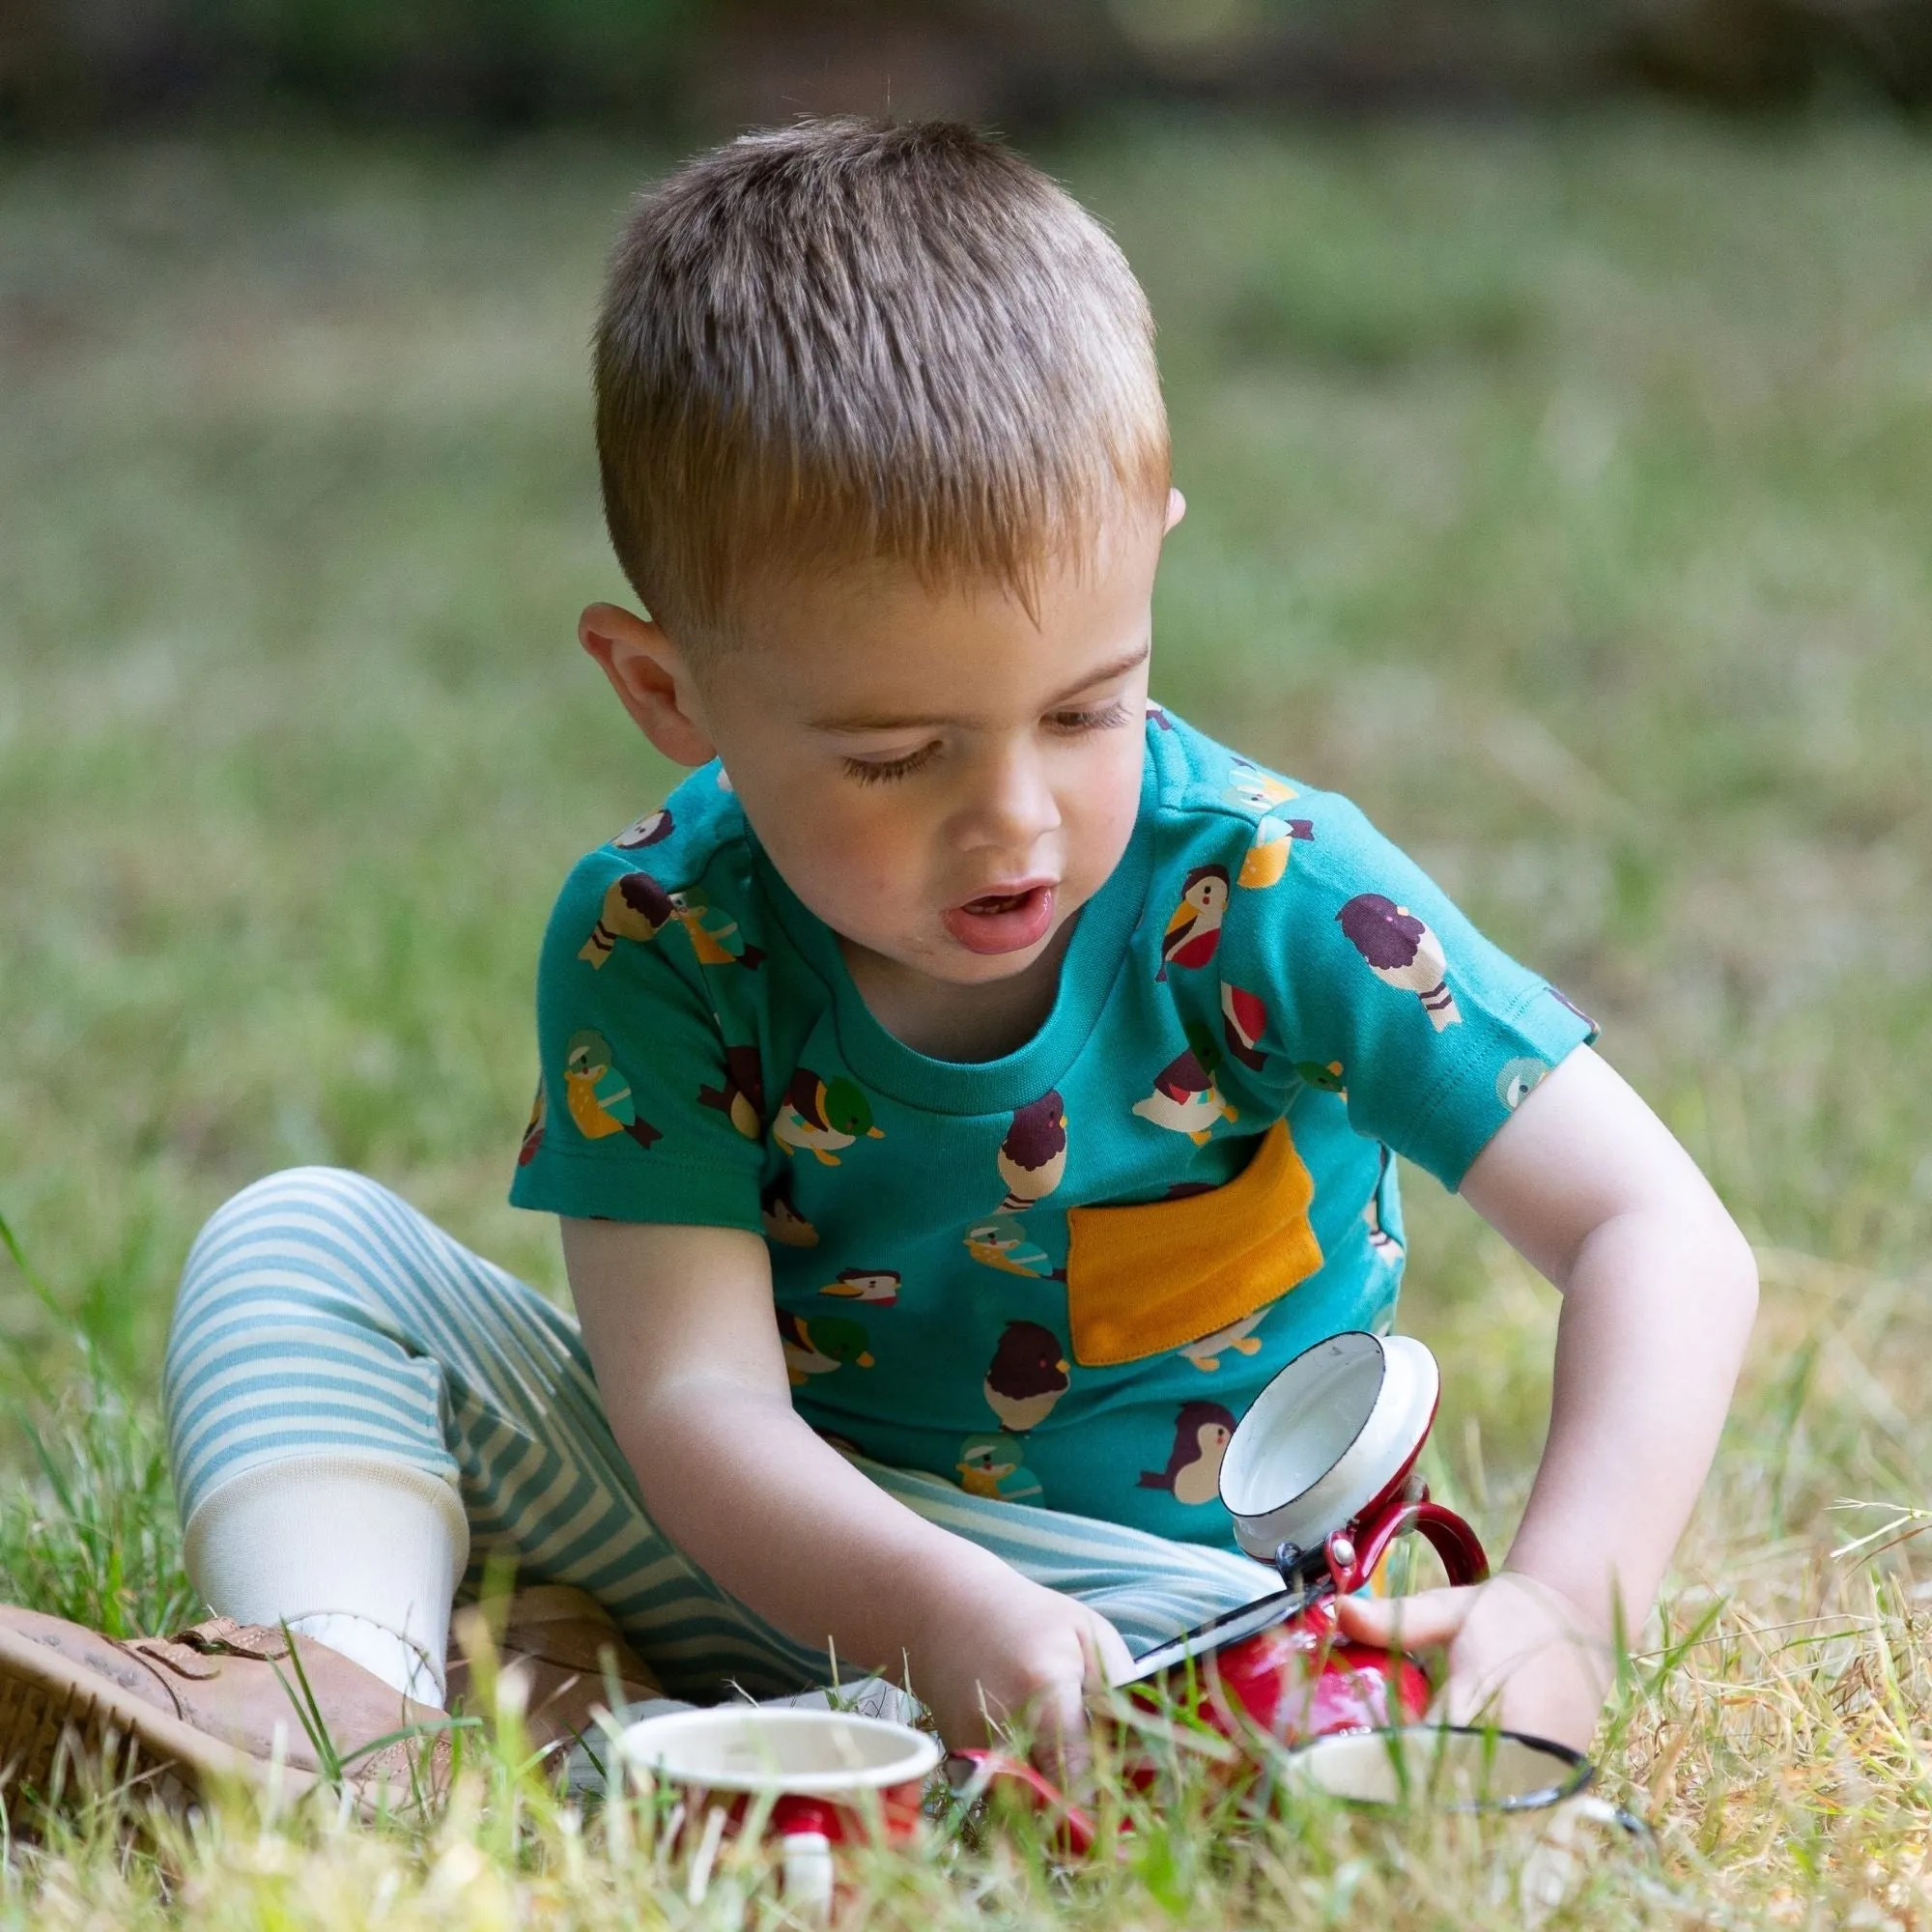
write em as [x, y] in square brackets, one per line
[960, 1096]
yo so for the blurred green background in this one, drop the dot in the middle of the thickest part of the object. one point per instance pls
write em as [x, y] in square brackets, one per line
[1557, 461]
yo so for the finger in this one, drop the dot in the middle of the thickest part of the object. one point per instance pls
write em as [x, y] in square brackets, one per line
[1109, 1661]
[1423, 1622]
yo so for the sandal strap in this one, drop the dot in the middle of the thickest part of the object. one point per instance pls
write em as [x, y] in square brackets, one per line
[191, 1652]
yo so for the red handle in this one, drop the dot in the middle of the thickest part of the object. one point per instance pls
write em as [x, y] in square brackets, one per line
[1076, 1830]
[1355, 1552]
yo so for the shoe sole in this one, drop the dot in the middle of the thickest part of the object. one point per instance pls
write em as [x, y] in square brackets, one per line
[62, 1726]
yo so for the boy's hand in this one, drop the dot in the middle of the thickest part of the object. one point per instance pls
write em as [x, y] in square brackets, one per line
[1004, 1651]
[1520, 1654]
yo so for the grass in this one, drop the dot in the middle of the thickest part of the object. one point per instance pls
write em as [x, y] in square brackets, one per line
[1560, 493]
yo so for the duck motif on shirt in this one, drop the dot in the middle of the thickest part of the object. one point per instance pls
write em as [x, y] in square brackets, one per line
[821, 1346]
[778, 1214]
[823, 1117]
[741, 1097]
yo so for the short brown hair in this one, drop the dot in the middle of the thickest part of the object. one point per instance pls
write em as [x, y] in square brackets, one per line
[851, 339]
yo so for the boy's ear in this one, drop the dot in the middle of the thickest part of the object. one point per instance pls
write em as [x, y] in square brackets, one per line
[648, 673]
[1176, 508]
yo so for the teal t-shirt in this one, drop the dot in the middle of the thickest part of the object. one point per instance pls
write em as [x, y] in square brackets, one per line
[1058, 1277]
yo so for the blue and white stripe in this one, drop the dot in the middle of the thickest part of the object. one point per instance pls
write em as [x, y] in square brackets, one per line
[321, 1315]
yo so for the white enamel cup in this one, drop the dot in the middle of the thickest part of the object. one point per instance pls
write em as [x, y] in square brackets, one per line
[831, 1777]
[1334, 1432]
[1446, 1767]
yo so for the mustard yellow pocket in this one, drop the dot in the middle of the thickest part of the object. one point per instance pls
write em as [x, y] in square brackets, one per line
[1144, 1280]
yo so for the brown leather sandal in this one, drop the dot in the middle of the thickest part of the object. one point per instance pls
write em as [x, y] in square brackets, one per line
[215, 1703]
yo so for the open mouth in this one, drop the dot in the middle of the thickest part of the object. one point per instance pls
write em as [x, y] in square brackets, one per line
[1007, 922]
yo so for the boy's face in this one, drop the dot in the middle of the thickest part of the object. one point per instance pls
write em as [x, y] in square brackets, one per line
[939, 778]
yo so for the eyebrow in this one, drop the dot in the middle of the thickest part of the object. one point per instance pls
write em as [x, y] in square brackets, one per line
[881, 722]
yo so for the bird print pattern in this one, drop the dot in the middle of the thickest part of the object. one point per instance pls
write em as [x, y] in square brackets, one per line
[824, 1117]
[1202, 1432]
[1401, 952]
[1186, 1101]
[1195, 929]
[636, 907]
[599, 1094]
[1027, 1377]
[935, 1240]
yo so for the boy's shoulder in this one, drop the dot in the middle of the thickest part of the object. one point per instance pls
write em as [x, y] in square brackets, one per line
[689, 859]
[698, 833]
[1207, 795]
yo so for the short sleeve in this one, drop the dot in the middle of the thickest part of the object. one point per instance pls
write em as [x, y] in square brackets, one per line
[1373, 985]
[643, 1114]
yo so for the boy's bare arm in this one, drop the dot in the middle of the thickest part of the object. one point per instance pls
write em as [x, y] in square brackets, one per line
[1659, 1290]
[678, 1321]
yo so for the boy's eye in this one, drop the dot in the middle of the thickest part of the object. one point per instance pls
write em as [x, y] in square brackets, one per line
[1094, 717]
[876, 771]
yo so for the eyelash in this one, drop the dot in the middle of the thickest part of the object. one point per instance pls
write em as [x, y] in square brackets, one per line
[1069, 723]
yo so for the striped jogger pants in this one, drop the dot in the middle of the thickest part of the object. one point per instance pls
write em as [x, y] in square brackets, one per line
[320, 1315]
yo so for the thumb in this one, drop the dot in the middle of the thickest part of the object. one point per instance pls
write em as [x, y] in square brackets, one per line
[1423, 1622]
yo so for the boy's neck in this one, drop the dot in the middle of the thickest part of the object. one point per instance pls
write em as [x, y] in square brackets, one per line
[945, 1021]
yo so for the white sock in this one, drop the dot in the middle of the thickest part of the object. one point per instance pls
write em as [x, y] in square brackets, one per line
[352, 1552]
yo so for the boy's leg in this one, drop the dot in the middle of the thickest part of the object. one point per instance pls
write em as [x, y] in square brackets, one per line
[353, 1395]
[345, 1379]
[1150, 1589]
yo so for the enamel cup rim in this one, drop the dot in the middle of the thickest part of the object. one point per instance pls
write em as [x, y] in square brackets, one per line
[651, 1744]
[1273, 1480]
[1569, 1770]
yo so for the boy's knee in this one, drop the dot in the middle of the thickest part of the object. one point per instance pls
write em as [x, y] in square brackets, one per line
[253, 1234]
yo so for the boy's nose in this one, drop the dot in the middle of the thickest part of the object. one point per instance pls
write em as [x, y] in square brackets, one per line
[1012, 806]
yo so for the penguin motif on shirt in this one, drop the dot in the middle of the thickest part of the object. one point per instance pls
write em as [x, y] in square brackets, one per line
[1028, 1376]
[878, 1285]
[598, 1095]
[1195, 928]
[1202, 1432]
[741, 1097]
[649, 830]
[823, 1117]
[634, 907]
[1186, 1101]
[1401, 952]
[1033, 1156]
